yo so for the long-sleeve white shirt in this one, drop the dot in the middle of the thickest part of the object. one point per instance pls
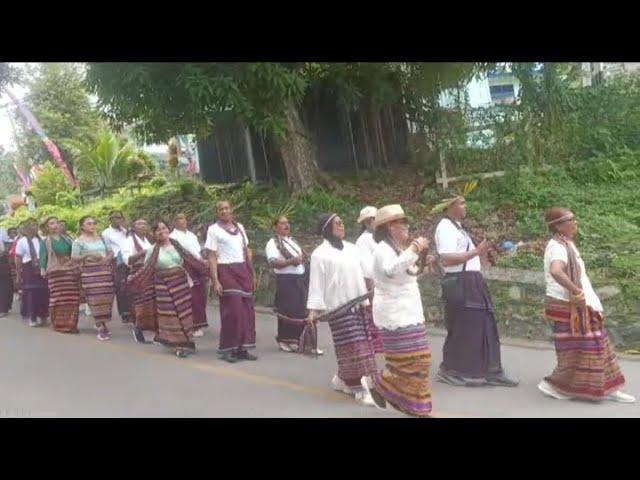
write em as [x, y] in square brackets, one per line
[129, 247]
[335, 276]
[366, 245]
[188, 241]
[396, 301]
[115, 239]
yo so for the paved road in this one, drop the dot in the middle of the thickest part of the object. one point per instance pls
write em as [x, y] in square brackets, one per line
[47, 374]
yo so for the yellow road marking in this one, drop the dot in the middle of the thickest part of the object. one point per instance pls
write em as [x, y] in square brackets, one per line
[241, 374]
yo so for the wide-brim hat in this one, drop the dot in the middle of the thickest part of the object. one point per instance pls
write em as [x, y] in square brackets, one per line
[442, 206]
[389, 213]
[367, 212]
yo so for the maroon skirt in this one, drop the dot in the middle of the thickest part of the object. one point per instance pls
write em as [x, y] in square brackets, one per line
[237, 314]
[35, 293]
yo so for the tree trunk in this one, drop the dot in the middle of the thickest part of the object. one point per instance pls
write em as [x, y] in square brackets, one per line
[298, 153]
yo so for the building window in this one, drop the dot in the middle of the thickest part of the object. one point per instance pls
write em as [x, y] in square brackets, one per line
[502, 93]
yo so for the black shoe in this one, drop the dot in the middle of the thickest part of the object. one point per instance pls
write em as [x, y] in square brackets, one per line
[450, 379]
[181, 353]
[229, 357]
[138, 336]
[501, 380]
[244, 355]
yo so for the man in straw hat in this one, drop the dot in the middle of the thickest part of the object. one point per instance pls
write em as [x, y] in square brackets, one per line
[398, 314]
[336, 279]
[471, 352]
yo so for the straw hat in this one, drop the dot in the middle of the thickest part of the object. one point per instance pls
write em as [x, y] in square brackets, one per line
[388, 214]
[442, 206]
[367, 212]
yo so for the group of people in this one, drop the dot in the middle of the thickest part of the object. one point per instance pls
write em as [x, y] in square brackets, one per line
[367, 292]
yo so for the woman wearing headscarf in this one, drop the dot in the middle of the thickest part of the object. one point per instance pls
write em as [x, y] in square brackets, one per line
[398, 314]
[63, 278]
[336, 279]
[170, 269]
[35, 294]
[587, 365]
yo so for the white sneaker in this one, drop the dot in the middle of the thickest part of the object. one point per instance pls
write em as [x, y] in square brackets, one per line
[339, 386]
[284, 347]
[621, 397]
[367, 384]
[317, 351]
[364, 398]
[34, 323]
[546, 388]
[198, 333]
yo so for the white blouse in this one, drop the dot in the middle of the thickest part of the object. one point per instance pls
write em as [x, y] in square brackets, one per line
[188, 241]
[556, 251]
[229, 248]
[335, 277]
[129, 247]
[450, 239]
[22, 249]
[396, 301]
[367, 245]
[272, 252]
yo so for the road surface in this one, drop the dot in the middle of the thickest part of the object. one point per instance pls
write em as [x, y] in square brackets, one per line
[48, 374]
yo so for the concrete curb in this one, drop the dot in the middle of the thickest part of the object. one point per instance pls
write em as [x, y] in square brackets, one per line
[508, 341]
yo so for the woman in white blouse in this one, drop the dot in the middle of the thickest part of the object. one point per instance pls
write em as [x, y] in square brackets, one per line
[587, 365]
[190, 243]
[336, 279]
[143, 311]
[398, 314]
[289, 263]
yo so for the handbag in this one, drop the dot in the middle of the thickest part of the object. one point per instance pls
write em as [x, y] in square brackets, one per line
[453, 284]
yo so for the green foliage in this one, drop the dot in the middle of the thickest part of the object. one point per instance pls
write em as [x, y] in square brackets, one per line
[8, 183]
[51, 188]
[59, 100]
[109, 161]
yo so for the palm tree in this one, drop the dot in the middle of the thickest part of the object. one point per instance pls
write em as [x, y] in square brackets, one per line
[108, 162]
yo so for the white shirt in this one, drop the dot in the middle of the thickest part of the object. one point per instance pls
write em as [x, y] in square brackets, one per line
[335, 276]
[188, 240]
[272, 252]
[229, 248]
[130, 247]
[396, 301]
[22, 249]
[4, 237]
[556, 251]
[116, 240]
[367, 245]
[450, 239]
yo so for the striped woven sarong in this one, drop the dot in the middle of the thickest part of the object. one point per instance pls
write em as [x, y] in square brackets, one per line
[144, 309]
[587, 365]
[99, 289]
[237, 313]
[6, 285]
[404, 382]
[173, 308]
[354, 350]
[64, 299]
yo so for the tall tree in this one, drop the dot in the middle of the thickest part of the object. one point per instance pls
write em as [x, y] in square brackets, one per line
[58, 98]
[161, 100]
